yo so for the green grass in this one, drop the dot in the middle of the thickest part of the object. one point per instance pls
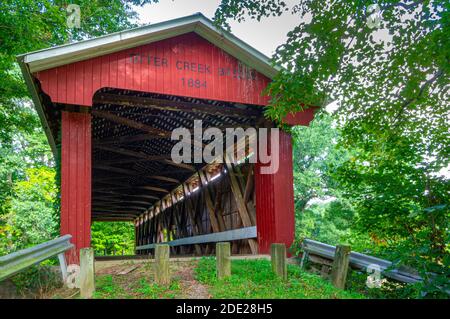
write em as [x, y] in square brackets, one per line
[107, 288]
[255, 279]
[113, 287]
[153, 291]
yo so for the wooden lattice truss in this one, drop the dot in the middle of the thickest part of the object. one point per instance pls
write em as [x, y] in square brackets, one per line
[134, 178]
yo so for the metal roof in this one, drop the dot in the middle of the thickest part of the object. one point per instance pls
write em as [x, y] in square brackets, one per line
[198, 23]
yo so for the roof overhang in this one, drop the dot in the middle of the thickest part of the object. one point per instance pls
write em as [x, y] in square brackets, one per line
[198, 23]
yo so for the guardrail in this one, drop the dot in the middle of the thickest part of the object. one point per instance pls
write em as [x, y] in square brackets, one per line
[360, 261]
[22, 259]
[229, 235]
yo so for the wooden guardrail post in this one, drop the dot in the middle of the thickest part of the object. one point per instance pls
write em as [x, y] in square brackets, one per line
[340, 266]
[278, 258]
[87, 276]
[162, 274]
[223, 260]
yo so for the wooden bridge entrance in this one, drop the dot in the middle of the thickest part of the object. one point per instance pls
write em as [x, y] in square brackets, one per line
[109, 106]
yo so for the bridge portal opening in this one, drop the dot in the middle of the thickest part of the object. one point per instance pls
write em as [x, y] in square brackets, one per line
[108, 107]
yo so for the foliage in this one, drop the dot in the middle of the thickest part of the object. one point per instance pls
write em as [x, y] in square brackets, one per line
[37, 280]
[356, 281]
[393, 77]
[392, 86]
[32, 218]
[404, 205]
[316, 156]
[255, 279]
[110, 238]
[332, 223]
[154, 291]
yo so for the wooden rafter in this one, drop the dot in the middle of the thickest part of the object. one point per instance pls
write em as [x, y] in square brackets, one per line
[145, 156]
[103, 200]
[131, 187]
[131, 123]
[147, 196]
[125, 139]
[129, 173]
[175, 106]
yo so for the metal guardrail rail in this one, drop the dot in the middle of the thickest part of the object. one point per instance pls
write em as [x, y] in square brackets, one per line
[22, 259]
[360, 261]
[229, 235]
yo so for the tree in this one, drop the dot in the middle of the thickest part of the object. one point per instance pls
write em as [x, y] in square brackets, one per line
[392, 84]
[391, 81]
[31, 218]
[316, 155]
[110, 238]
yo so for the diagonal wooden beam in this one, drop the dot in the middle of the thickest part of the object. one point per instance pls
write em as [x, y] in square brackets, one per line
[189, 207]
[133, 187]
[164, 178]
[131, 123]
[113, 206]
[153, 188]
[130, 172]
[146, 156]
[209, 202]
[104, 200]
[242, 206]
[115, 170]
[126, 139]
[127, 152]
[140, 126]
[106, 191]
[119, 211]
[176, 106]
[156, 177]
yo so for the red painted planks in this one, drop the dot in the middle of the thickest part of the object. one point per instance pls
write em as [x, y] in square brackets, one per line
[76, 179]
[186, 65]
[275, 218]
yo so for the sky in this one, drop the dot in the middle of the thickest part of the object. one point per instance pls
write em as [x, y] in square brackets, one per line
[264, 36]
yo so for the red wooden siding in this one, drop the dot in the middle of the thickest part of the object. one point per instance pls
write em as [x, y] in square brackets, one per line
[275, 219]
[159, 67]
[76, 180]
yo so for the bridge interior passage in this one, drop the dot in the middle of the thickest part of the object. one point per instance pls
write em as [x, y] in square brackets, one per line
[135, 179]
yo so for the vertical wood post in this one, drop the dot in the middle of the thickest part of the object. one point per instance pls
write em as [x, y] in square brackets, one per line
[162, 275]
[275, 215]
[223, 260]
[340, 266]
[76, 180]
[87, 278]
[278, 258]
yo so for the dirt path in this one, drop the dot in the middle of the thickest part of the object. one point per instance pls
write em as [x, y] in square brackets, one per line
[132, 278]
[192, 288]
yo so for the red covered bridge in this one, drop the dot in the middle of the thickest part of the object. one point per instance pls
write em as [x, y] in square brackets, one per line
[109, 105]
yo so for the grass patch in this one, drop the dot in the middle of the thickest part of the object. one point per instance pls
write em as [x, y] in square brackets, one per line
[113, 287]
[137, 287]
[153, 291]
[255, 279]
[106, 287]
